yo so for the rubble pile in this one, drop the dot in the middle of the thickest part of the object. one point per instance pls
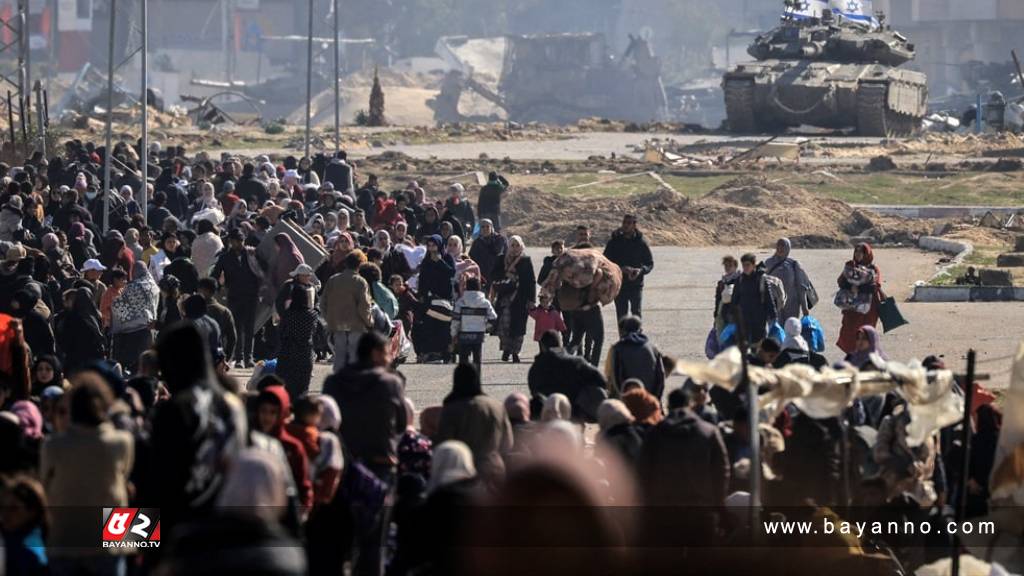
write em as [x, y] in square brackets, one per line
[745, 211]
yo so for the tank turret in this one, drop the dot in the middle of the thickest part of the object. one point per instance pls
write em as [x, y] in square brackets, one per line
[830, 72]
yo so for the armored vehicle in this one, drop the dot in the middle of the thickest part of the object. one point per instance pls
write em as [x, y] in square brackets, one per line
[827, 72]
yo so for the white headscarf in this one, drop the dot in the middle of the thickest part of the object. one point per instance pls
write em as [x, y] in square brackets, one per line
[452, 462]
[794, 340]
[255, 485]
[556, 407]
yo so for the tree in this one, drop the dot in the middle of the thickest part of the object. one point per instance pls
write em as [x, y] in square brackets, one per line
[376, 115]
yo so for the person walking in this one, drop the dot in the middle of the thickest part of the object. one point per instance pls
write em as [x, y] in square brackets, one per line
[488, 204]
[242, 276]
[133, 315]
[630, 251]
[516, 290]
[635, 356]
[470, 315]
[863, 281]
[295, 354]
[800, 293]
[346, 308]
[487, 250]
[752, 300]
[471, 416]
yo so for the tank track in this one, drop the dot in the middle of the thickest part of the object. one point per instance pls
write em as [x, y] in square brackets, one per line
[875, 119]
[739, 105]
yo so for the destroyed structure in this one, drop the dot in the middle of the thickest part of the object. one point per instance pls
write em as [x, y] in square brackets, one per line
[552, 78]
[828, 72]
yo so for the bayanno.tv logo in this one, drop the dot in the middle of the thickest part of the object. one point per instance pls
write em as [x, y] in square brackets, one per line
[131, 527]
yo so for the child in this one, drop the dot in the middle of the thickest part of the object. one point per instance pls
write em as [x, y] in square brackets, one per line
[306, 425]
[470, 316]
[325, 468]
[273, 408]
[546, 317]
[119, 279]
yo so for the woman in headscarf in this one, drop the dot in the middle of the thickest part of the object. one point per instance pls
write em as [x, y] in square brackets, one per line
[862, 265]
[470, 416]
[80, 338]
[80, 249]
[644, 407]
[47, 372]
[115, 253]
[239, 213]
[795, 349]
[431, 223]
[515, 290]
[330, 225]
[793, 278]
[428, 537]
[29, 418]
[316, 225]
[295, 354]
[339, 248]
[618, 437]
[868, 342]
[464, 266]
[556, 407]
[206, 247]
[287, 260]
[134, 313]
[131, 240]
[26, 306]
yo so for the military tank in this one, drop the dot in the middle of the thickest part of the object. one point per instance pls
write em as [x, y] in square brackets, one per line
[828, 72]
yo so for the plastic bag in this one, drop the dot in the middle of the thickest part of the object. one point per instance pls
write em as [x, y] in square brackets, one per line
[813, 333]
[775, 331]
[711, 347]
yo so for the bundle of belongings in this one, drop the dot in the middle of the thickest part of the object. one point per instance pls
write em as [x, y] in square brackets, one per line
[583, 276]
[857, 300]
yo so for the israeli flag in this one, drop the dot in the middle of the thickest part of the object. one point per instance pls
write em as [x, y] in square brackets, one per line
[855, 10]
[801, 9]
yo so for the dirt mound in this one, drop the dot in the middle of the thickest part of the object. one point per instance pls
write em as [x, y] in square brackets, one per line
[746, 211]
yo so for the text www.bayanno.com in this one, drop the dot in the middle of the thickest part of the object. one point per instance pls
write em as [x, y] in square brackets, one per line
[861, 529]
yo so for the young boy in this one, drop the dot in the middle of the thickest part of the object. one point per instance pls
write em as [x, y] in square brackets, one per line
[470, 316]
[546, 317]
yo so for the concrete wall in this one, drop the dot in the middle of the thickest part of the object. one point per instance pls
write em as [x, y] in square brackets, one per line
[967, 294]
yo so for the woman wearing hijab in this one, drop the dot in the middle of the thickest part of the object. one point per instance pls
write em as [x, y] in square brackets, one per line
[795, 349]
[288, 259]
[795, 281]
[556, 407]
[206, 247]
[115, 253]
[861, 268]
[464, 266]
[133, 315]
[617, 437]
[47, 372]
[80, 249]
[80, 338]
[470, 416]
[429, 542]
[335, 263]
[868, 342]
[515, 288]
[295, 354]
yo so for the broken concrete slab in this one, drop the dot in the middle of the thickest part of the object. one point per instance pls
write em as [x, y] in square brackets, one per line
[1010, 260]
[995, 277]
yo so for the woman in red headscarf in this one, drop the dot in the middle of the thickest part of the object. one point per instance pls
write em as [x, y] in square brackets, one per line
[860, 275]
[288, 258]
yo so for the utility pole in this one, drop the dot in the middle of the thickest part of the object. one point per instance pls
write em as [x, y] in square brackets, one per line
[110, 119]
[337, 79]
[144, 141]
[309, 77]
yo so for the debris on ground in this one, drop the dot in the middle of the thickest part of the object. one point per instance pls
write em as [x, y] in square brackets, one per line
[882, 163]
[744, 211]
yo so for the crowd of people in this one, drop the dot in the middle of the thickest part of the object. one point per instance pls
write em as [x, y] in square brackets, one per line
[120, 331]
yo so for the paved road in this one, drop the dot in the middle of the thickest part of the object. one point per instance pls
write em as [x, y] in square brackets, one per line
[677, 310]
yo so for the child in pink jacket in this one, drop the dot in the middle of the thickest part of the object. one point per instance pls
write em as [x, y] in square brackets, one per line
[546, 317]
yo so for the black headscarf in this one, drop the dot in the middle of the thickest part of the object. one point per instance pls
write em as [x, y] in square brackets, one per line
[465, 384]
[184, 356]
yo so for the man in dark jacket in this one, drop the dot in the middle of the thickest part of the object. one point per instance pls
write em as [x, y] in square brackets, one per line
[683, 465]
[630, 251]
[753, 300]
[488, 205]
[208, 288]
[555, 371]
[239, 269]
[195, 312]
[251, 189]
[339, 173]
[635, 356]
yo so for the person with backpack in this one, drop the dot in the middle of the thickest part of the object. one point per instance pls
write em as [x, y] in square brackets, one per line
[800, 293]
[470, 316]
[753, 300]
